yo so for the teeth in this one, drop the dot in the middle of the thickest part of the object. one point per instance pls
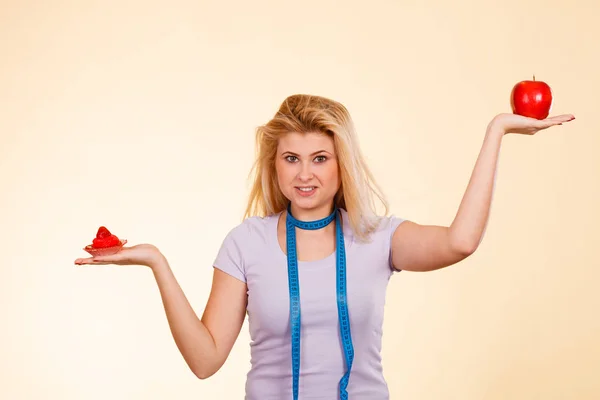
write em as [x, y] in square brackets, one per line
[306, 189]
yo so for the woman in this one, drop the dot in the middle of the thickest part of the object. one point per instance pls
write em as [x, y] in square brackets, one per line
[311, 262]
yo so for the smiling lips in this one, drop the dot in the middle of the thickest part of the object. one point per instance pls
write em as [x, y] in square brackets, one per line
[306, 190]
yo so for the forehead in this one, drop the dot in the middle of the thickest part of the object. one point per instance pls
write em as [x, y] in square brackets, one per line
[306, 142]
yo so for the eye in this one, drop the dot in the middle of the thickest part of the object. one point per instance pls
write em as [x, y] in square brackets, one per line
[291, 158]
[320, 159]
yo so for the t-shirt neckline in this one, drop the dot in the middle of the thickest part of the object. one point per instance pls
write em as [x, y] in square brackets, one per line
[328, 260]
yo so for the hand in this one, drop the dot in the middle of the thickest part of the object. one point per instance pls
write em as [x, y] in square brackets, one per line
[141, 254]
[513, 123]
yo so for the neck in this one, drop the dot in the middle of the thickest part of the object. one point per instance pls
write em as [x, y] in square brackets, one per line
[312, 214]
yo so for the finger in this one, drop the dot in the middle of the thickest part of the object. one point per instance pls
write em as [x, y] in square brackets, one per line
[561, 118]
[112, 259]
[98, 260]
[544, 124]
[90, 261]
[553, 121]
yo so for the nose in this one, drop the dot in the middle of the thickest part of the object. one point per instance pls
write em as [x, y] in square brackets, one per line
[306, 173]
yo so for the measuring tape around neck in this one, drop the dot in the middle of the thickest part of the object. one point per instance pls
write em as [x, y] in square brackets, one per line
[294, 287]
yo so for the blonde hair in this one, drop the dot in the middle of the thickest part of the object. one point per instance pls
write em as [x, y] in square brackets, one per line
[307, 113]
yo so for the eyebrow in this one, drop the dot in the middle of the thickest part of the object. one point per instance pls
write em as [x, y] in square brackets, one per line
[312, 154]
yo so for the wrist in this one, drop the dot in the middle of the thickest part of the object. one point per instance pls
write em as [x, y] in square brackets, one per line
[495, 129]
[158, 262]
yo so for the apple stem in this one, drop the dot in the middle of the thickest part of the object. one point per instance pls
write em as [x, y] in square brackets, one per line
[534, 77]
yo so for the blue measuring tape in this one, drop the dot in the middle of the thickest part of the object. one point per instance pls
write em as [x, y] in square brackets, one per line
[294, 286]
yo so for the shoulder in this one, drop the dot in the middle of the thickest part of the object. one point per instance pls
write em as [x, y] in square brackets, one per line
[385, 230]
[382, 227]
[242, 244]
[252, 230]
[388, 223]
[378, 229]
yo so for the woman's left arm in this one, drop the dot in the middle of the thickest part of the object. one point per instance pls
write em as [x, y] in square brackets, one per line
[418, 247]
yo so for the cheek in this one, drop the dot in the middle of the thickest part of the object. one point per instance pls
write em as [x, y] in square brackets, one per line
[331, 174]
[278, 171]
[283, 171]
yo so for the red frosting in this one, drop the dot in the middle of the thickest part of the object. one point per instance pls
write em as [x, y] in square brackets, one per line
[105, 239]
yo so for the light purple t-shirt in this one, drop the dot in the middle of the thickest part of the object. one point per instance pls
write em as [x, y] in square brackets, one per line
[251, 253]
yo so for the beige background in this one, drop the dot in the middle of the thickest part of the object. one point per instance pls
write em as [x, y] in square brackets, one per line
[140, 116]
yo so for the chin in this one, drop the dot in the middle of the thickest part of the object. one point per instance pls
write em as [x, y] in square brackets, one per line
[306, 204]
[311, 203]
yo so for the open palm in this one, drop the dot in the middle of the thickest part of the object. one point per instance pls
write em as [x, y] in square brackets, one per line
[141, 254]
[513, 123]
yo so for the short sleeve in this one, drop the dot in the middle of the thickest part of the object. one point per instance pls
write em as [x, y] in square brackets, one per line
[394, 222]
[229, 258]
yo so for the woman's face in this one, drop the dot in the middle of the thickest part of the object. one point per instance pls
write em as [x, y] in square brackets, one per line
[308, 173]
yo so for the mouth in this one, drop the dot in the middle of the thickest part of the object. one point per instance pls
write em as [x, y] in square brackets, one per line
[306, 190]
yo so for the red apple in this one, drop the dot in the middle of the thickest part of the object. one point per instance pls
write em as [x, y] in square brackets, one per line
[532, 99]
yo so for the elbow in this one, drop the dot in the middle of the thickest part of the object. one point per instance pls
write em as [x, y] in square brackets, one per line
[203, 371]
[463, 244]
[464, 248]
[467, 250]
[203, 374]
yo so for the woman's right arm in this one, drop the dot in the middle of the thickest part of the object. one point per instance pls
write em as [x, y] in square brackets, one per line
[204, 343]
